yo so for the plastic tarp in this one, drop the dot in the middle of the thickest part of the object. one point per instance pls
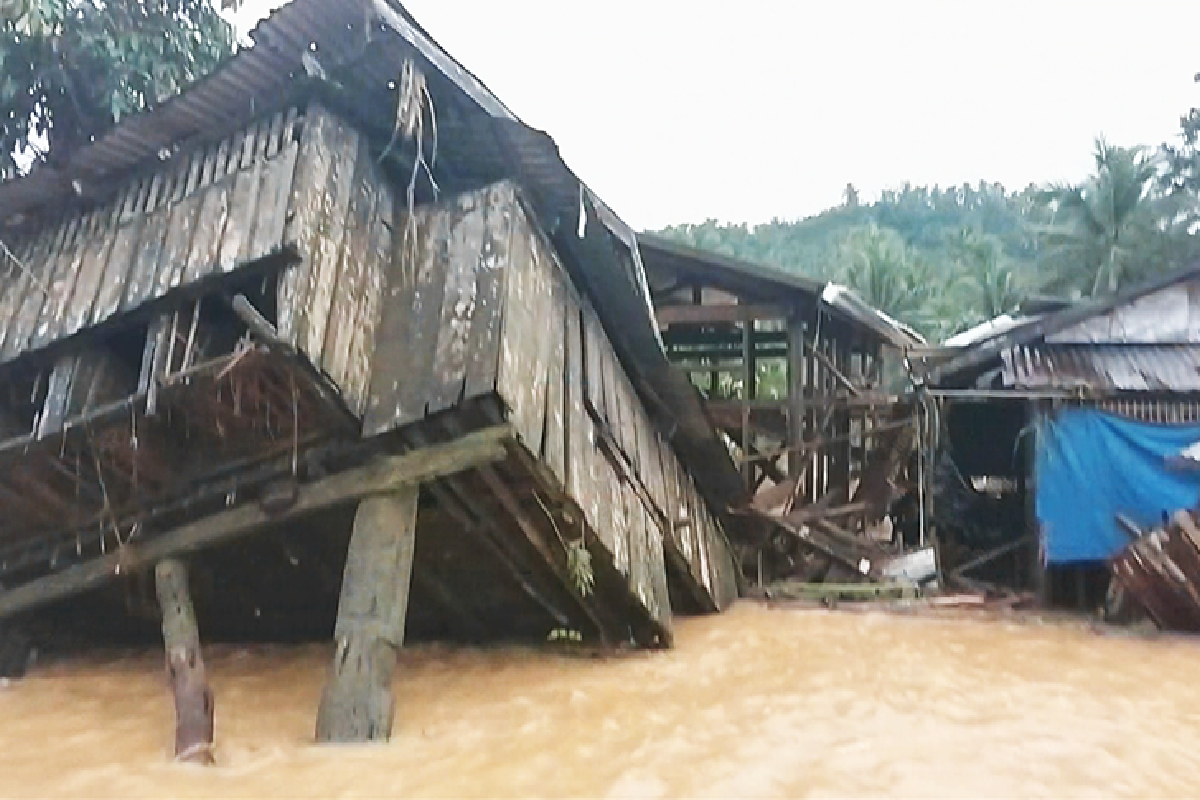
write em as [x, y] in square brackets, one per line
[1090, 466]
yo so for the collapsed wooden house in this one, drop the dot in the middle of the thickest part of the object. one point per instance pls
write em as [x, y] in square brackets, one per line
[807, 384]
[270, 307]
[1051, 425]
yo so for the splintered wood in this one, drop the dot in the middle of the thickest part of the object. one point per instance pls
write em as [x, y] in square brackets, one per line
[1160, 571]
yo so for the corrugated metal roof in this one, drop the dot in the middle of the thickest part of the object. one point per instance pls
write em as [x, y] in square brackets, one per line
[362, 46]
[1126, 368]
[982, 355]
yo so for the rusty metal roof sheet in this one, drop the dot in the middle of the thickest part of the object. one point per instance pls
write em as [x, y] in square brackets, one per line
[1119, 367]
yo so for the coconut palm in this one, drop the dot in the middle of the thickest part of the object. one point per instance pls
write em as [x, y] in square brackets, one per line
[1098, 226]
[990, 283]
[891, 275]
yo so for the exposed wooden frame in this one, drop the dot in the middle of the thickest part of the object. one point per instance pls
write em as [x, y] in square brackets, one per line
[381, 476]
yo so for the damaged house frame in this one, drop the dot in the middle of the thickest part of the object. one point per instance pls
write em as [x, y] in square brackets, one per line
[1018, 393]
[337, 296]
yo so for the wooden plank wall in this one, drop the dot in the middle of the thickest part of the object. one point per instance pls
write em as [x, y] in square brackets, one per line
[477, 304]
[438, 336]
[573, 406]
[206, 211]
[340, 220]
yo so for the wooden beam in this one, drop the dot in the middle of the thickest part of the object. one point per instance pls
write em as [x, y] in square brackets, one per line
[729, 313]
[357, 704]
[827, 362]
[530, 531]
[185, 667]
[379, 477]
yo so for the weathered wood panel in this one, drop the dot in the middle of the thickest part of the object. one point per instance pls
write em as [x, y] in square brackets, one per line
[473, 274]
[363, 343]
[438, 337]
[351, 273]
[161, 231]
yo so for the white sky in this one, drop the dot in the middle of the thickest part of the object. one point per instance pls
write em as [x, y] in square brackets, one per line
[680, 110]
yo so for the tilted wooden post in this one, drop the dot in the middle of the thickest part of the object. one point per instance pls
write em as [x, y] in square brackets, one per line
[185, 667]
[357, 704]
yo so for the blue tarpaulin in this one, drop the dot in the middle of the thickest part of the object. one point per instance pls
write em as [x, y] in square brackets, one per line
[1090, 466]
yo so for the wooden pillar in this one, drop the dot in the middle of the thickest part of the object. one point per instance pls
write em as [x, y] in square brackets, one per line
[749, 379]
[1038, 579]
[185, 667]
[357, 704]
[796, 381]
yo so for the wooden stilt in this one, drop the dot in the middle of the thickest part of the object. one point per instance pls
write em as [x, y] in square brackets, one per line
[185, 667]
[357, 705]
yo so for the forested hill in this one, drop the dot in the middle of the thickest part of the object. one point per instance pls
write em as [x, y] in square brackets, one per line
[943, 259]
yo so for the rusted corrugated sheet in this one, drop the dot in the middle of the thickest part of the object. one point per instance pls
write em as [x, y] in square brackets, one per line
[220, 206]
[1132, 368]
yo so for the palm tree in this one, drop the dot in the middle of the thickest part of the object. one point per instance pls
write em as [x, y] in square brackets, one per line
[1096, 225]
[890, 275]
[990, 282]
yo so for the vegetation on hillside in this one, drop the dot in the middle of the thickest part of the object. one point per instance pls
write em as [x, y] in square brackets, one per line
[946, 258]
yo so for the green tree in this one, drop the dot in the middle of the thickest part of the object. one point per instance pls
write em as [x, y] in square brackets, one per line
[892, 276]
[70, 69]
[990, 281]
[1102, 228]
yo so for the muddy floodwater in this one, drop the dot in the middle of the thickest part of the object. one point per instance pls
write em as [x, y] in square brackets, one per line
[754, 703]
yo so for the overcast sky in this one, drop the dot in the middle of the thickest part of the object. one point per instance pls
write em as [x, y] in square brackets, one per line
[682, 110]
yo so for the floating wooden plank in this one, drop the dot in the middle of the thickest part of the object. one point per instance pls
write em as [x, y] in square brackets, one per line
[379, 477]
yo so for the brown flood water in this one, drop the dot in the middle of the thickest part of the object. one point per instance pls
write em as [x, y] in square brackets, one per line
[754, 703]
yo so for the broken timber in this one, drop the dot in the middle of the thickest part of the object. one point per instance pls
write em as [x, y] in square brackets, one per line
[376, 478]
